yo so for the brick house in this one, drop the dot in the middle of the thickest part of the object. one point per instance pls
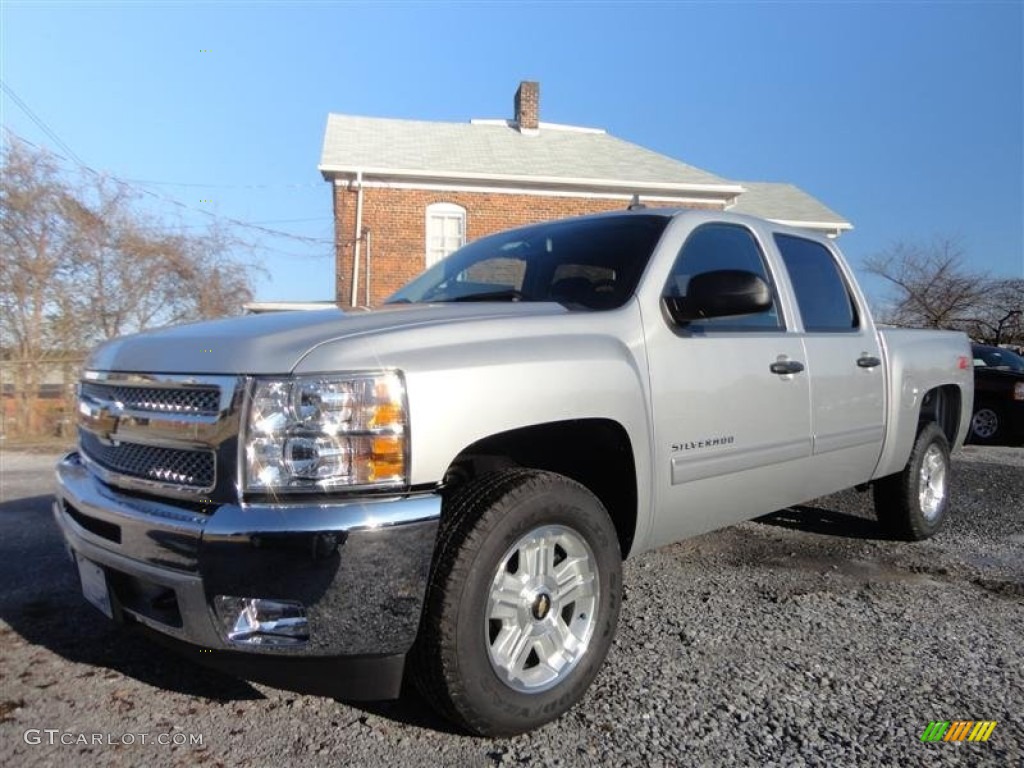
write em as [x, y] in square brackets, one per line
[413, 191]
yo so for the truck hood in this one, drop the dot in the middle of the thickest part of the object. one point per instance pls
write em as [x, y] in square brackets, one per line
[274, 343]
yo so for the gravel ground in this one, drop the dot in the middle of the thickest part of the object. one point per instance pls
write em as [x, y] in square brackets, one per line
[803, 638]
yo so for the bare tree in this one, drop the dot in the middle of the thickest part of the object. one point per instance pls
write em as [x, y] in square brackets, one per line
[82, 262]
[932, 287]
[1000, 318]
[37, 253]
[134, 273]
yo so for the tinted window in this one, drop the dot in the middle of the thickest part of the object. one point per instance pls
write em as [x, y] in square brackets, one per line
[821, 293]
[722, 246]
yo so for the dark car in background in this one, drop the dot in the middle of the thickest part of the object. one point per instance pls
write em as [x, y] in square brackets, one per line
[998, 395]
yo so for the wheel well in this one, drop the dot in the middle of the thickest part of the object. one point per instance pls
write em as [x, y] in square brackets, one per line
[596, 453]
[942, 406]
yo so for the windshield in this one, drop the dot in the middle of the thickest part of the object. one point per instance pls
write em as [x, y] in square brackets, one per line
[995, 357]
[584, 264]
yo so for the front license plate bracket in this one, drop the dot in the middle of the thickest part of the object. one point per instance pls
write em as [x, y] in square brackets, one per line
[94, 586]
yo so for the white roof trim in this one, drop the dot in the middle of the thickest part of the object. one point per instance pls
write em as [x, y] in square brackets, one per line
[570, 128]
[722, 189]
[840, 225]
[623, 196]
[253, 307]
[541, 125]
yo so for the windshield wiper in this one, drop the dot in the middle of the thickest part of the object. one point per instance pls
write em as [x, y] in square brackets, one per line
[510, 294]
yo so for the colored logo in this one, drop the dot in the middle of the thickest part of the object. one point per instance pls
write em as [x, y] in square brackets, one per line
[958, 730]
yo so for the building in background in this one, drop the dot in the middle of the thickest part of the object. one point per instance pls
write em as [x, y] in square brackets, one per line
[406, 193]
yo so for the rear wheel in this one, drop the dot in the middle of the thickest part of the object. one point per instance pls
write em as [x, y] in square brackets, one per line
[913, 504]
[522, 602]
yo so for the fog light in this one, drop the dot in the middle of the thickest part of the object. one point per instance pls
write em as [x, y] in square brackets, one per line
[258, 621]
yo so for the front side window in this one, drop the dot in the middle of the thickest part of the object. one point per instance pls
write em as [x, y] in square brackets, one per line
[821, 293]
[713, 247]
[446, 230]
[583, 264]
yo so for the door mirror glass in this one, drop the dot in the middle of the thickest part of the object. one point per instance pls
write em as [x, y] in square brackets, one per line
[720, 293]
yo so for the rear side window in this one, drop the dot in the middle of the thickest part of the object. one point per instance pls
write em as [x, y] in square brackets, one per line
[821, 292]
[723, 246]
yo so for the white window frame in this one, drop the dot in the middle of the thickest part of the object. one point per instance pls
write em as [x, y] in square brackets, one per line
[438, 215]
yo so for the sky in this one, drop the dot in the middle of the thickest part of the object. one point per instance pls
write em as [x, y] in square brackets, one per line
[907, 118]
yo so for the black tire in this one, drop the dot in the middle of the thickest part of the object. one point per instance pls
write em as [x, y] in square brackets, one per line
[483, 521]
[898, 498]
[986, 425]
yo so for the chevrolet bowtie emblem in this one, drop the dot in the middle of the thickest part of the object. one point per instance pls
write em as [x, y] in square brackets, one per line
[108, 426]
[541, 606]
[101, 419]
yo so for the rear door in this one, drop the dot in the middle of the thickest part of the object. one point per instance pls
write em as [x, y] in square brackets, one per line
[729, 433]
[844, 359]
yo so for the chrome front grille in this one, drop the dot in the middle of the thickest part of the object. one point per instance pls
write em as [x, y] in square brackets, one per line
[192, 401]
[171, 435]
[193, 469]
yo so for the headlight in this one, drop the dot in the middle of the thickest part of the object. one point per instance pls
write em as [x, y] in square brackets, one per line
[318, 433]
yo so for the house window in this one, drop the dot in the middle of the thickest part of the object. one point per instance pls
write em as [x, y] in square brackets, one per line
[446, 230]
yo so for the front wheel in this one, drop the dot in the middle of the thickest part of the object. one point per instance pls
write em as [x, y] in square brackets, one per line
[522, 602]
[913, 504]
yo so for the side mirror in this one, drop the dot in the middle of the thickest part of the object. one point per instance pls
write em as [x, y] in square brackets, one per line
[720, 293]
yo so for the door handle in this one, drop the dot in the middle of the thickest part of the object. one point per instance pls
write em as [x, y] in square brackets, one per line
[867, 361]
[783, 367]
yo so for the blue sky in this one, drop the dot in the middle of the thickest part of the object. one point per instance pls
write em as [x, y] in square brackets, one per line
[906, 118]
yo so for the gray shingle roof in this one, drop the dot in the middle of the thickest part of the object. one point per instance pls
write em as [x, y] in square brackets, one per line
[489, 150]
[557, 155]
[785, 202]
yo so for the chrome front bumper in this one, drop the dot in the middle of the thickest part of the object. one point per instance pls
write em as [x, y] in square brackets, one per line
[359, 569]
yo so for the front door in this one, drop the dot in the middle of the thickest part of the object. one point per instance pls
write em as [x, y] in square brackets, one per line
[731, 434]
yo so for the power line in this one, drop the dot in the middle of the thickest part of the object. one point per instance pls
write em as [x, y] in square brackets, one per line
[39, 122]
[294, 221]
[251, 223]
[159, 196]
[293, 255]
[147, 182]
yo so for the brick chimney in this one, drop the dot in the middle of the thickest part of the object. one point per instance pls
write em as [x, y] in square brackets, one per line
[527, 106]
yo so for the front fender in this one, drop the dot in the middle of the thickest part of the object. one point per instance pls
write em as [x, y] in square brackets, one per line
[469, 381]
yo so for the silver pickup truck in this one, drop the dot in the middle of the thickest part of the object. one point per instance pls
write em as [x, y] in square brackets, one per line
[448, 485]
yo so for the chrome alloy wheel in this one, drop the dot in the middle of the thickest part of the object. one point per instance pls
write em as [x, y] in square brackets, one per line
[932, 486]
[540, 610]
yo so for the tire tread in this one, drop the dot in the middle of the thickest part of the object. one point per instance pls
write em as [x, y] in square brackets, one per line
[468, 514]
[895, 496]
